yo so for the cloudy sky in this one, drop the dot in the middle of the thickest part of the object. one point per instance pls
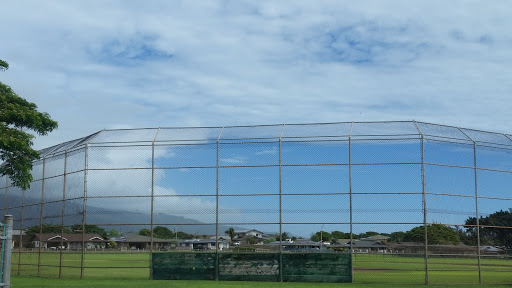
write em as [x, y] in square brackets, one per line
[118, 64]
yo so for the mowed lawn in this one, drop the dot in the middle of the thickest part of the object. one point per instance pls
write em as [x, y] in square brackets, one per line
[27, 281]
[368, 269]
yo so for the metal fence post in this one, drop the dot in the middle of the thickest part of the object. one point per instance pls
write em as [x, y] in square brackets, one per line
[41, 222]
[5, 200]
[350, 200]
[20, 242]
[6, 276]
[424, 200]
[63, 212]
[477, 217]
[217, 211]
[280, 209]
[84, 212]
[152, 208]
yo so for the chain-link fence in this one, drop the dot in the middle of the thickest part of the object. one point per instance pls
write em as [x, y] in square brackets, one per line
[409, 202]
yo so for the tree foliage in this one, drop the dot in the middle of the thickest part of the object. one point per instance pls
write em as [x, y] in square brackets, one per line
[162, 232]
[368, 234]
[183, 235]
[3, 65]
[112, 244]
[16, 115]
[436, 233]
[46, 228]
[252, 240]
[145, 232]
[341, 235]
[397, 236]
[498, 235]
[321, 236]
[114, 233]
[231, 233]
[282, 237]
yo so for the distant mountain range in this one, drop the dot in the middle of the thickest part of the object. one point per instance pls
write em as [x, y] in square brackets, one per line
[102, 216]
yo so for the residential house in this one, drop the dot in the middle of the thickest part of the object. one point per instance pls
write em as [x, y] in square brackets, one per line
[204, 244]
[17, 236]
[366, 246]
[359, 246]
[378, 237]
[135, 241]
[68, 241]
[297, 246]
[243, 236]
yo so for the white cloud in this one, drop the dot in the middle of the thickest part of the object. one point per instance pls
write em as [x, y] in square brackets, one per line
[235, 62]
[272, 151]
[234, 160]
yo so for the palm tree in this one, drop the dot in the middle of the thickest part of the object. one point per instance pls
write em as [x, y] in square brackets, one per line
[231, 233]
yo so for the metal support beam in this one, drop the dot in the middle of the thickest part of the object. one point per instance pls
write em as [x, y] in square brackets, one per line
[281, 207]
[63, 213]
[84, 211]
[350, 200]
[217, 211]
[152, 203]
[477, 216]
[6, 275]
[424, 200]
[41, 221]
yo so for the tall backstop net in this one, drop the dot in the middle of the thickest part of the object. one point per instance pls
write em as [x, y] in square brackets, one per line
[373, 202]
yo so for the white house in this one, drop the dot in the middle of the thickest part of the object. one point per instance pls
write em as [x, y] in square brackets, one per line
[69, 241]
[249, 233]
[204, 244]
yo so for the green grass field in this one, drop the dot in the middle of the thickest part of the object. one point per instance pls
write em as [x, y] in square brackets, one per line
[368, 269]
[27, 281]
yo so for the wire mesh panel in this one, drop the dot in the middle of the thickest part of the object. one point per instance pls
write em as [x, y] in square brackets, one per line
[396, 202]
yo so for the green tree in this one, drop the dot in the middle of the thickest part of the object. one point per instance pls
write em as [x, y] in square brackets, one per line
[397, 236]
[338, 235]
[112, 244]
[321, 236]
[114, 233]
[16, 115]
[437, 234]
[162, 232]
[145, 232]
[231, 233]
[46, 228]
[489, 235]
[368, 234]
[89, 229]
[282, 237]
[252, 240]
[183, 235]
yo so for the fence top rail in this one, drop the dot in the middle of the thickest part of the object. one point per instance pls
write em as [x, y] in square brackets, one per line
[282, 131]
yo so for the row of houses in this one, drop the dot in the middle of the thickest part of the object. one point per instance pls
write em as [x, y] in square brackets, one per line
[133, 241]
[54, 241]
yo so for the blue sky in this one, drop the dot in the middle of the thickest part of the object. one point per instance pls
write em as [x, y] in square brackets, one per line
[130, 64]
[119, 64]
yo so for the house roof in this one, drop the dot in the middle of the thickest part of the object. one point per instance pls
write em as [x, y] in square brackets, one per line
[136, 238]
[201, 241]
[54, 237]
[247, 231]
[377, 238]
[366, 244]
[18, 232]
